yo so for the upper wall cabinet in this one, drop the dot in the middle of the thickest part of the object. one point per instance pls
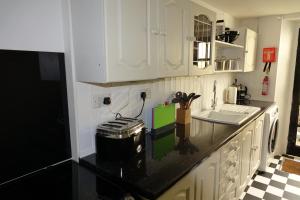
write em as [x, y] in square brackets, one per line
[173, 38]
[248, 38]
[202, 40]
[129, 40]
[115, 40]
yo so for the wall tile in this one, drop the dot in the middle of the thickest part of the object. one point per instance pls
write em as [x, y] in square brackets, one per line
[125, 99]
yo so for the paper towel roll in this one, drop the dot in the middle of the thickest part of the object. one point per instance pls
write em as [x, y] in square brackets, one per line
[231, 95]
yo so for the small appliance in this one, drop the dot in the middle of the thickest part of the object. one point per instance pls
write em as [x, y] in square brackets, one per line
[243, 97]
[120, 139]
[242, 94]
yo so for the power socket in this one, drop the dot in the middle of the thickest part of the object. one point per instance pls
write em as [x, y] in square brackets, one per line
[148, 93]
[96, 101]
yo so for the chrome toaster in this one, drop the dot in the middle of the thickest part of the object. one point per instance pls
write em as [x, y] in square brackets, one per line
[120, 139]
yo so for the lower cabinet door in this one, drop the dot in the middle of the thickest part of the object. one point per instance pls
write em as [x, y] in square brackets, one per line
[182, 190]
[256, 143]
[230, 169]
[246, 150]
[207, 178]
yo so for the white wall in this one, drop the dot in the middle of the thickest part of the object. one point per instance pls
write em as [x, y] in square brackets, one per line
[285, 79]
[38, 25]
[126, 100]
[71, 77]
[269, 30]
[31, 25]
[274, 31]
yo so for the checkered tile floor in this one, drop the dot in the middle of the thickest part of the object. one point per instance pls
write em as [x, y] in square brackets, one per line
[273, 184]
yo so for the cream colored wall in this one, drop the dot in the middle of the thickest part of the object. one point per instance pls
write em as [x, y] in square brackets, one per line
[126, 100]
[34, 25]
[285, 79]
[274, 31]
[269, 30]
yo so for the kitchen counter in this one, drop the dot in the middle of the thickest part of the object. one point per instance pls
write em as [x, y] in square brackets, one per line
[67, 181]
[169, 155]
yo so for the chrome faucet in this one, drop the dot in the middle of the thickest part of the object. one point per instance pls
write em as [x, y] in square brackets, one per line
[214, 100]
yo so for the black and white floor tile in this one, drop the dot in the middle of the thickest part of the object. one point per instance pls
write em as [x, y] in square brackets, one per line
[273, 184]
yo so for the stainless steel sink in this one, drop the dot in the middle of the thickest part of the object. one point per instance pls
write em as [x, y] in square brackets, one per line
[227, 114]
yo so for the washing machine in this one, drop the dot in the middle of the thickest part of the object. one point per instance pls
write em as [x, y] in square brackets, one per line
[270, 135]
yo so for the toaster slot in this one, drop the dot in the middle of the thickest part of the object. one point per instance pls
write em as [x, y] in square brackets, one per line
[125, 119]
[120, 123]
[111, 126]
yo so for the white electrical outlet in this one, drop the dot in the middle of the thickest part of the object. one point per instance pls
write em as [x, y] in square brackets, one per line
[96, 101]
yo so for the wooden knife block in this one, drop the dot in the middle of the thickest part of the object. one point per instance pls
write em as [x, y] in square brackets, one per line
[183, 116]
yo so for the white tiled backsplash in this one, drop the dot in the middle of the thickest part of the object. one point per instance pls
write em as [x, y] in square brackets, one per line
[126, 100]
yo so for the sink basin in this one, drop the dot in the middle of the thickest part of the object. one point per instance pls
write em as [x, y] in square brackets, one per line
[227, 114]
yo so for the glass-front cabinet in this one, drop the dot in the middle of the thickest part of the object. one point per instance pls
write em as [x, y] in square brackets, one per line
[202, 40]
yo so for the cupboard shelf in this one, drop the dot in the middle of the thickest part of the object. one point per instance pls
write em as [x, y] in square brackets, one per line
[220, 44]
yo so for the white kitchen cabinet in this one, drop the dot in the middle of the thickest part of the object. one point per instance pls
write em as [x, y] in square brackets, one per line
[246, 153]
[115, 40]
[201, 184]
[257, 143]
[207, 178]
[226, 173]
[182, 190]
[130, 40]
[248, 39]
[202, 40]
[173, 33]
[230, 169]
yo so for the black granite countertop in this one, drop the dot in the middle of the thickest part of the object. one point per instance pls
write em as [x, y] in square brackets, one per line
[169, 155]
[66, 181]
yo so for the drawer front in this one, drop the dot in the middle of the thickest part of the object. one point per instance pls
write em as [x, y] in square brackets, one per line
[229, 173]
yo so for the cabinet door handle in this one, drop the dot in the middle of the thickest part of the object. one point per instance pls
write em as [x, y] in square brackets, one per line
[163, 33]
[246, 51]
[230, 163]
[232, 148]
[254, 148]
[155, 32]
[191, 38]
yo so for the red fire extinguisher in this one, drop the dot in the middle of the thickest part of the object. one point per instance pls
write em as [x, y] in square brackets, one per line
[265, 86]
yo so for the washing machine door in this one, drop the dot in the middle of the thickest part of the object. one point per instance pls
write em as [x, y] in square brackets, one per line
[273, 135]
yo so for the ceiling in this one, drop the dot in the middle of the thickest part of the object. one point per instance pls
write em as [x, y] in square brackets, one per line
[255, 8]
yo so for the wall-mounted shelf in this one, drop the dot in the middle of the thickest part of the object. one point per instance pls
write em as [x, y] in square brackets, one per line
[220, 44]
[224, 71]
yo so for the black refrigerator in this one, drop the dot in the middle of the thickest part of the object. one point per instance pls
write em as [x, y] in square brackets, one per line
[34, 125]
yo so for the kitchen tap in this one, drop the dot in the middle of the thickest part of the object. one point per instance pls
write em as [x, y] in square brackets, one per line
[214, 100]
